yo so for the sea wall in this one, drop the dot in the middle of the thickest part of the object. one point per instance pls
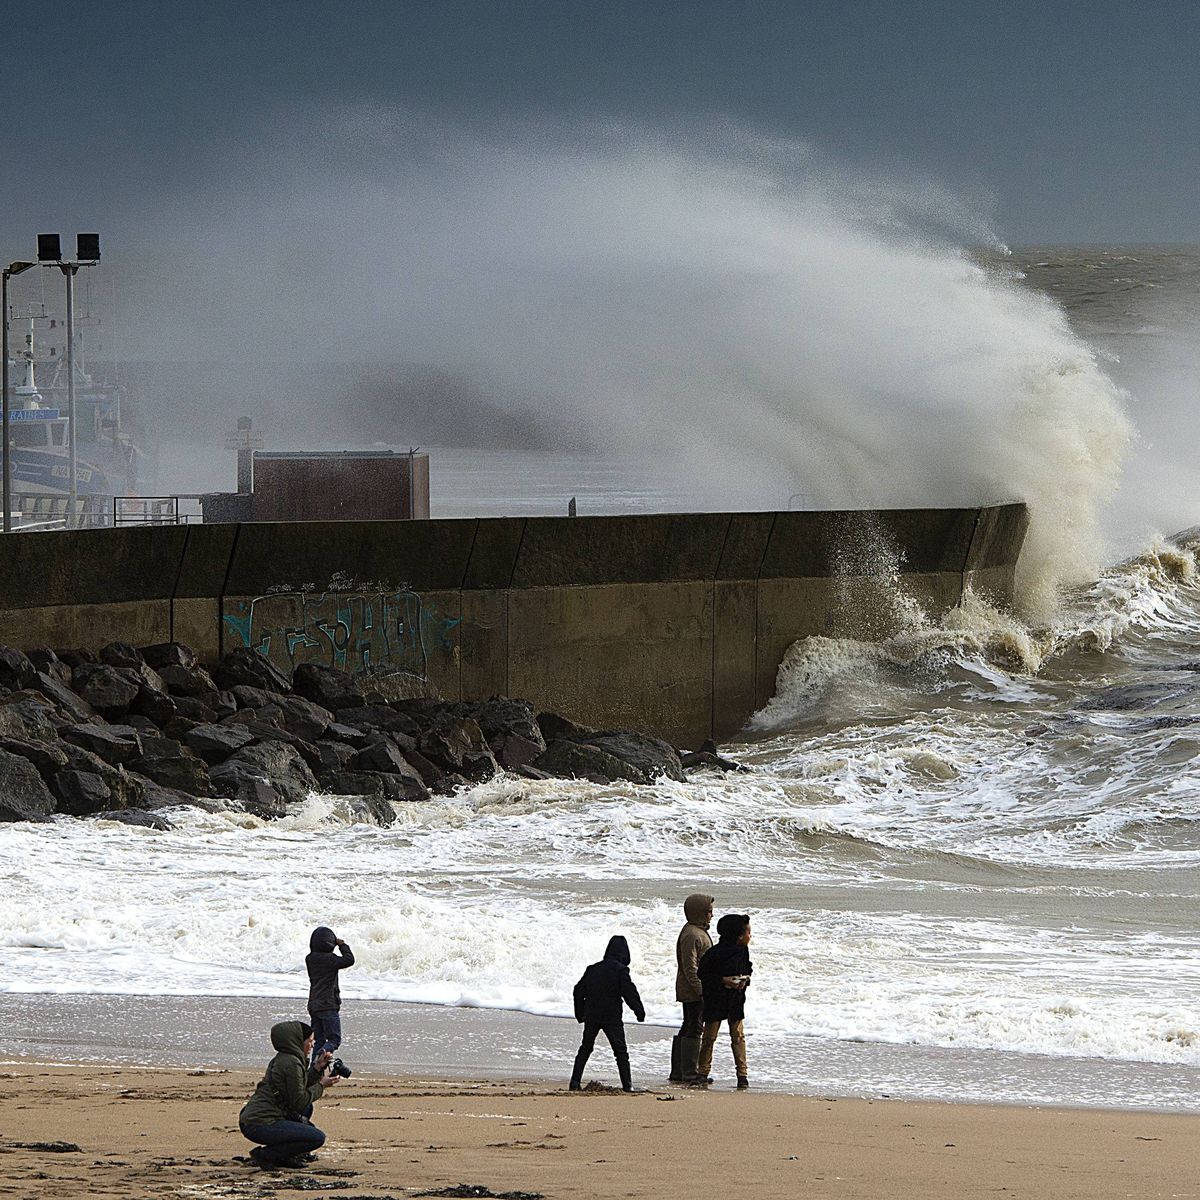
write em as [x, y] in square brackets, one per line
[674, 623]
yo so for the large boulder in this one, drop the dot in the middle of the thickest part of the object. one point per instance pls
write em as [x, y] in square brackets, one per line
[511, 730]
[252, 697]
[136, 817]
[248, 667]
[171, 765]
[306, 719]
[46, 757]
[156, 796]
[434, 778]
[81, 793]
[263, 800]
[374, 792]
[327, 686]
[62, 697]
[651, 757]
[24, 795]
[248, 786]
[196, 708]
[385, 785]
[116, 744]
[48, 663]
[500, 716]
[30, 717]
[350, 734]
[265, 733]
[188, 681]
[142, 726]
[422, 709]
[157, 707]
[707, 758]
[277, 763]
[456, 744]
[578, 760]
[124, 790]
[215, 743]
[555, 729]
[383, 758]
[121, 654]
[109, 690]
[379, 716]
[16, 671]
[78, 658]
[371, 809]
[387, 685]
[334, 756]
[169, 654]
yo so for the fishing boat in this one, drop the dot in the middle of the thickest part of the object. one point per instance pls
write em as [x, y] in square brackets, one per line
[108, 460]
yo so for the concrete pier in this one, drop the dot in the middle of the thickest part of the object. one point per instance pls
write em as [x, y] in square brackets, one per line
[672, 623]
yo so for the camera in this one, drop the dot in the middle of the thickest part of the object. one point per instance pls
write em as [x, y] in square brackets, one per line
[337, 1067]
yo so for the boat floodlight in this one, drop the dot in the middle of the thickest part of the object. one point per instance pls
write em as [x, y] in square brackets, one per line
[87, 247]
[49, 247]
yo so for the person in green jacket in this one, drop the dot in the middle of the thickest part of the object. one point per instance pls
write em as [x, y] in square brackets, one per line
[277, 1115]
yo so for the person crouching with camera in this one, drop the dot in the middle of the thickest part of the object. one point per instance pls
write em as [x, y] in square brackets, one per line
[277, 1115]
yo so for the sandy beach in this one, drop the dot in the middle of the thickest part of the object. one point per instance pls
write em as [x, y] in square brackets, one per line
[79, 1131]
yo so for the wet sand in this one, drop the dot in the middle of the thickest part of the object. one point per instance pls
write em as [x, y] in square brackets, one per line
[472, 1043]
[146, 1132]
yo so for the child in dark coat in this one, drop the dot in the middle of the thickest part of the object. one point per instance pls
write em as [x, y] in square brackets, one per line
[598, 998]
[324, 995]
[725, 975]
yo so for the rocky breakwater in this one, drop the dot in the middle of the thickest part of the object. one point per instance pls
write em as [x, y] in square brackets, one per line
[128, 734]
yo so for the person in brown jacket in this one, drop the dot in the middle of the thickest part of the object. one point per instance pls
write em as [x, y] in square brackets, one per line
[690, 947]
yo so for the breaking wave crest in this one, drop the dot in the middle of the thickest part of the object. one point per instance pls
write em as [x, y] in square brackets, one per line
[1157, 589]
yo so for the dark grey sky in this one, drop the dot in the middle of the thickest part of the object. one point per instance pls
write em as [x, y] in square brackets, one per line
[1061, 120]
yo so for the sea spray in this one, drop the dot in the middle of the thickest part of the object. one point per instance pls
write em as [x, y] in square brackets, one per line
[775, 325]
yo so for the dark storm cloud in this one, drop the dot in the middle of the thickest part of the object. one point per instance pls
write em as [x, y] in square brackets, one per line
[1078, 116]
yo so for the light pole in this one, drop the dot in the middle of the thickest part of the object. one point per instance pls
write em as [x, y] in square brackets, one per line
[7, 273]
[87, 253]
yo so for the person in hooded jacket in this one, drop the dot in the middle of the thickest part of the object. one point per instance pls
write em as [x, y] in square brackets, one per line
[725, 972]
[598, 998]
[690, 947]
[324, 995]
[276, 1116]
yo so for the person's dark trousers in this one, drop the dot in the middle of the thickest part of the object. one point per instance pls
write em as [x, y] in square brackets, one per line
[283, 1141]
[327, 1032]
[693, 1019]
[615, 1032]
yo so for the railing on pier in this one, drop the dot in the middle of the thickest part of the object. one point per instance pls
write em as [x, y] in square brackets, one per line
[147, 510]
[41, 513]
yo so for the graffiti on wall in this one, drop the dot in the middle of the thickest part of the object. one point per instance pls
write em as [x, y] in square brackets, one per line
[354, 631]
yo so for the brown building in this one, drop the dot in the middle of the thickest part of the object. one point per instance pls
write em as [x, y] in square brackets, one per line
[340, 485]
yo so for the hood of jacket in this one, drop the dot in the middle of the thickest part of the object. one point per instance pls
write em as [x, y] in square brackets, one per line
[323, 939]
[618, 948]
[288, 1038]
[697, 907]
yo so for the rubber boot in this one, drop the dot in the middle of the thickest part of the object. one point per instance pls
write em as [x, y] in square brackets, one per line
[676, 1075]
[625, 1073]
[689, 1057]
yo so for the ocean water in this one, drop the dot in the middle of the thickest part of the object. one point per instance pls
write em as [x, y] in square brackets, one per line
[982, 836]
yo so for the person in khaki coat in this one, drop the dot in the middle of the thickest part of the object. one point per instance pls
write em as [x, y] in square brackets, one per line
[692, 944]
